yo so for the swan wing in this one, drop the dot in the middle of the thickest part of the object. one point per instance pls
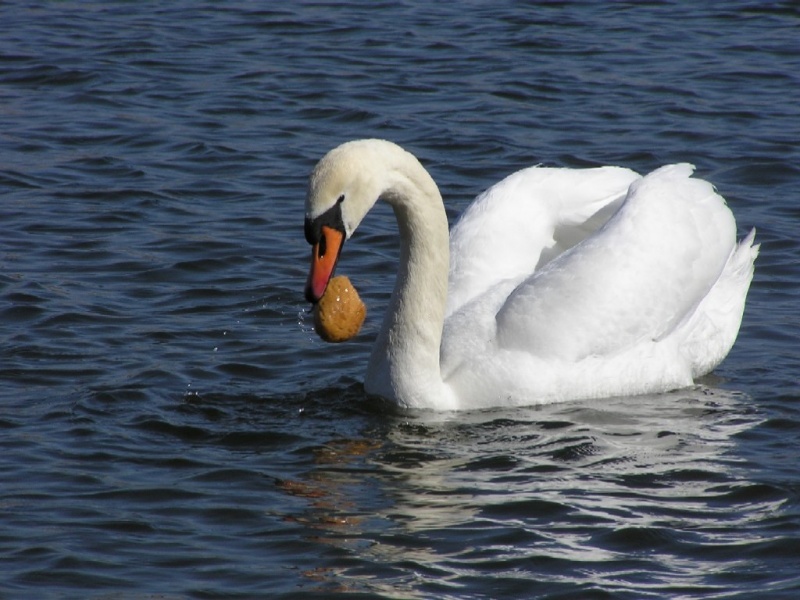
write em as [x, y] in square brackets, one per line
[637, 279]
[524, 221]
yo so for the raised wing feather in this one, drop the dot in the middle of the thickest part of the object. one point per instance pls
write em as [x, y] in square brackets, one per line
[524, 221]
[638, 278]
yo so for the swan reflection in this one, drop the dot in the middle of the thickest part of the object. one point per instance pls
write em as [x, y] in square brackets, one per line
[442, 496]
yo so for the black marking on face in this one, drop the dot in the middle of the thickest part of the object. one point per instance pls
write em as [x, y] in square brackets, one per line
[331, 217]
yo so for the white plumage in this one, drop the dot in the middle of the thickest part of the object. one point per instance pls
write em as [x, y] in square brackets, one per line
[560, 284]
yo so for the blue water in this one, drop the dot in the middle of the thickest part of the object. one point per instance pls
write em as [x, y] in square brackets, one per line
[171, 427]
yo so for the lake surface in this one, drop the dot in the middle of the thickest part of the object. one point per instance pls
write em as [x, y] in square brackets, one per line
[171, 427]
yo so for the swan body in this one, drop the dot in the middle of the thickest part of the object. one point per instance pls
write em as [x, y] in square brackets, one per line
[554, 284]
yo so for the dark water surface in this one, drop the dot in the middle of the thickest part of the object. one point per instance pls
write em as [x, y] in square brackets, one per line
[170, 427]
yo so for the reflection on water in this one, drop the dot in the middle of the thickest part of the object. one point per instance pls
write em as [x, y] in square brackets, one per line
[530, 492]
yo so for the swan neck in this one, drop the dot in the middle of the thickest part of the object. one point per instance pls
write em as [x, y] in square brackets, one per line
[406, 354]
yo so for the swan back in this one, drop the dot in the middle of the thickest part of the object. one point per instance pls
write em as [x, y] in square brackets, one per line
[650, 300]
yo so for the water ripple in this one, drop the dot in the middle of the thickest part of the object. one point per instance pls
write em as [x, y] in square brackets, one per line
[172, 427]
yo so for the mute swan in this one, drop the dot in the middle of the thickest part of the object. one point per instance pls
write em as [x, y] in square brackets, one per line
[557, 284]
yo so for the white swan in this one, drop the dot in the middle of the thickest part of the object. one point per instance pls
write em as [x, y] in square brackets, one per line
[557, 284]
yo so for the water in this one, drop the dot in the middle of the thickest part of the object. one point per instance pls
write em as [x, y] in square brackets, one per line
[171, 427]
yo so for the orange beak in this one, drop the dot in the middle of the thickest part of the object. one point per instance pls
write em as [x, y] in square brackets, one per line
[324, 255]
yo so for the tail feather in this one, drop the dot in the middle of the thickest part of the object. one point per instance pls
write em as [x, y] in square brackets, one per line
[712, 330]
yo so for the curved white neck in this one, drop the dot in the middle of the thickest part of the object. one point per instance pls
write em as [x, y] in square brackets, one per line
[404, 364]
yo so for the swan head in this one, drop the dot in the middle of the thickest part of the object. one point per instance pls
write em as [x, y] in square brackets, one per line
[342, 188]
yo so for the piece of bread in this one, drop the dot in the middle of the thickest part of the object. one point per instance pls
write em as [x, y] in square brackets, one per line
[339, 314]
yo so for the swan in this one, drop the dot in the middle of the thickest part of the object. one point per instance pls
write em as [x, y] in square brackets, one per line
[555, 284]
